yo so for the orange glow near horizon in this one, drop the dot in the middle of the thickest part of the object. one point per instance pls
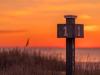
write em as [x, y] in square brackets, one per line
[37, 20]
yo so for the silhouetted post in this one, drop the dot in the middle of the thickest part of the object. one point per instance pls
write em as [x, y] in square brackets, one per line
[70, 46]
[70, 31]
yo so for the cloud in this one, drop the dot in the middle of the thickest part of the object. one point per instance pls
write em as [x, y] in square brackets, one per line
[85, 16]
[21, 12]
[27, 7]
[84, 1]
[12, 31]
[17, 4]
[92, 28]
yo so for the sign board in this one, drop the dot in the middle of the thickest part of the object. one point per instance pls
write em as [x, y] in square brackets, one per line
[64, 31]
[61, 31]
[70, 31]
[79, 30]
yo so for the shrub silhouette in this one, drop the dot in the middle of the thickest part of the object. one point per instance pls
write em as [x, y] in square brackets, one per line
[16, 62]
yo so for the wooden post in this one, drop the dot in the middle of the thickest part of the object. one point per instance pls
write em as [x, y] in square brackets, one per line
[70, 31]
[70, 46]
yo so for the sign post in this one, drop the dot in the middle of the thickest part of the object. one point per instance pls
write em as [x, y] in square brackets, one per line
[70, 31]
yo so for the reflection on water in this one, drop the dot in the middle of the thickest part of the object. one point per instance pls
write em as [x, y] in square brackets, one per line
[82, 54]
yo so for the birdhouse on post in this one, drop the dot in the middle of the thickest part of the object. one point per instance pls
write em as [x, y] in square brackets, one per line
[70, 31]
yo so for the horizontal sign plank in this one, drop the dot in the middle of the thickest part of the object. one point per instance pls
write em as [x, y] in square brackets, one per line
[79, 30]
[70, 31]
[61, 33]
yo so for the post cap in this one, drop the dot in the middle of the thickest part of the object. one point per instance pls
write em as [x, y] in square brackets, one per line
[70, 16]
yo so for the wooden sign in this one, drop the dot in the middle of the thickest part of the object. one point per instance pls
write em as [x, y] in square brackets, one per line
[61, 31]
[79, 30]
[70, 31]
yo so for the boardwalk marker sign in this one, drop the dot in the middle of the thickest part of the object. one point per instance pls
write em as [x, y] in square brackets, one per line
[64, 30]
[70, 31]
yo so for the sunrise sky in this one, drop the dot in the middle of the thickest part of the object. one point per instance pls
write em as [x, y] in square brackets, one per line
[38, 19]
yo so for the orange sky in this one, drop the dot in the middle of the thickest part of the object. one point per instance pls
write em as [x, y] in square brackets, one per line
[38, 19]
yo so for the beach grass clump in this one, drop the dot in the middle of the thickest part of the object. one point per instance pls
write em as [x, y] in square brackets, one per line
[16, 62]
[87, 68]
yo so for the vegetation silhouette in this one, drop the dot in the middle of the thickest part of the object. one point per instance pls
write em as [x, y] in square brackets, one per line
[16, 62]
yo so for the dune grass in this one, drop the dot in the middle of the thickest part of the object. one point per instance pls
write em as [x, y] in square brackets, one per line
[20, 63]
[17, 62]
[87, 68]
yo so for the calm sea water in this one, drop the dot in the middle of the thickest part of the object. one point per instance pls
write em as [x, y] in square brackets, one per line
[82, 54]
